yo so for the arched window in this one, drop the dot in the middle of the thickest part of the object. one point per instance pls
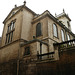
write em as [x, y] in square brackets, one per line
[62, 35]
[68, 36]
[38, 30]
[55, 30]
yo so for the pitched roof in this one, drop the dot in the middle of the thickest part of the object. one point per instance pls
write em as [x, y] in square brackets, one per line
[36, 16]
[18, 9]
[47, 13]
[44, 14]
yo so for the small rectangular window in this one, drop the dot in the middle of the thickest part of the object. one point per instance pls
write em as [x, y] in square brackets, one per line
[27, 51]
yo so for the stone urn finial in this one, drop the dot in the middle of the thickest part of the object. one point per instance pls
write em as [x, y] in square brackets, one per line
[24, 3]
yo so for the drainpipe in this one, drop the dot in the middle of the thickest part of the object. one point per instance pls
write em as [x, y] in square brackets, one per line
[18, 60]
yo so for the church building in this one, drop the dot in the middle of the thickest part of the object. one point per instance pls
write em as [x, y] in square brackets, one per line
[29, 36]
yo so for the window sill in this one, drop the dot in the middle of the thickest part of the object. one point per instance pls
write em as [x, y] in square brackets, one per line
[8, 43]
[39, 36]
[56, 37]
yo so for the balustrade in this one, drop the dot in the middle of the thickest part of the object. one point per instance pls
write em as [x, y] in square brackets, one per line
[65, 45]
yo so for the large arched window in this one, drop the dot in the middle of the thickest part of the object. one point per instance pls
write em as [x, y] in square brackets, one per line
[62, 35]
[55, 30]
[38, 30]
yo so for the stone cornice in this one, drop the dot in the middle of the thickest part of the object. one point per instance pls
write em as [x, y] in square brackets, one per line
[11, 12]
[20, 8]
[18, 40]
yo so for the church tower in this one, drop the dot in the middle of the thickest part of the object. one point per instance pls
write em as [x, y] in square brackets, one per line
[64, 18]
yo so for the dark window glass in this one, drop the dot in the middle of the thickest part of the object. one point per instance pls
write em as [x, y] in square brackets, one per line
[40, 48]
[6, 39]
[8, 28]
[38, 30]
[27, 51]
[11, 36]
[68, 24]
[55, 30]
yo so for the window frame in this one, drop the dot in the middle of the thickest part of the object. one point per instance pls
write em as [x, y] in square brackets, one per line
[26, 54]
[10, 32]
[68, 37]
[63, 35]
[54, 30]
[37, 34]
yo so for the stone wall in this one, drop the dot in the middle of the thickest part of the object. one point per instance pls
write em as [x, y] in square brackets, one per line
[8, 68]
[64, 66]
[17, 29]
[9, 52]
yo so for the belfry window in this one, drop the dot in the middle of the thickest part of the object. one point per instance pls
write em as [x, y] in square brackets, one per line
[38, 30]
[55, 30]
[68, 24]
[62, 35]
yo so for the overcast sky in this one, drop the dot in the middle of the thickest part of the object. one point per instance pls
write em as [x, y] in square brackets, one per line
[39, 6]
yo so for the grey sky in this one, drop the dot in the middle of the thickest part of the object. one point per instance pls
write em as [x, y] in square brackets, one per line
[39, 6]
